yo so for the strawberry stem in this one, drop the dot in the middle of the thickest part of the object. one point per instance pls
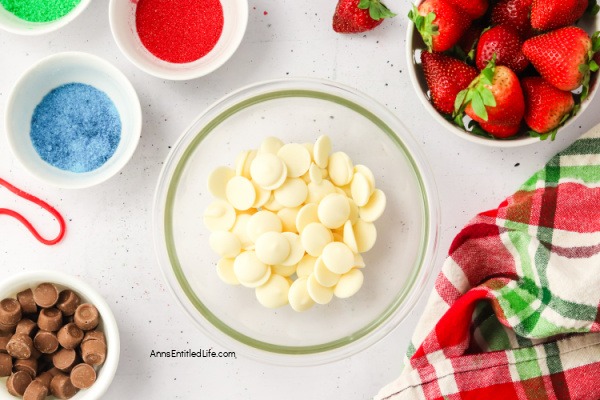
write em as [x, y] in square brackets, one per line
[377, 10]
[424, 25]
[477, 93]
[543, 136]
[591, 66]
[592, 8]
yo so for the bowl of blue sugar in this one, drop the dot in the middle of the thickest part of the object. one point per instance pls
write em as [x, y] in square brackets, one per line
[73, 120]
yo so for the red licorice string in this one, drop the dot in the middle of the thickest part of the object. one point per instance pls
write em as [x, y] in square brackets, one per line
[24, 220]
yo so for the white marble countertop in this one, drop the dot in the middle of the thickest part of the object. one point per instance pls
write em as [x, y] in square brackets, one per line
[109, 239]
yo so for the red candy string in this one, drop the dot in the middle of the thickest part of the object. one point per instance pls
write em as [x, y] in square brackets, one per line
[24, 221]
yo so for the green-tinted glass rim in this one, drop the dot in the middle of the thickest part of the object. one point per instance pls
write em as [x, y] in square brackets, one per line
[176, 266]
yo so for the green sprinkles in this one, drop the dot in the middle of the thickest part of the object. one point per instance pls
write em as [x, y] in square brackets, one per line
[39, 10]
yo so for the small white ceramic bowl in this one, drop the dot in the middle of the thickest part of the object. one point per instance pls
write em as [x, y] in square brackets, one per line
[54, 71]
[9, 287]
[122, 17]
[414, 46]
[11, 23]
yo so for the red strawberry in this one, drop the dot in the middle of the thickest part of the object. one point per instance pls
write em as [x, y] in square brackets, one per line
[563, 57]
[514, 13]
[552, 14]
[440, 24]
[473, 8]
[505, 43]
[445, 76]
[495, 100]
[546, 107]
[354, 16]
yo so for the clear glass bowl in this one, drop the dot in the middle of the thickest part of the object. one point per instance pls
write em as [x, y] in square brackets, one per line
[397, 267]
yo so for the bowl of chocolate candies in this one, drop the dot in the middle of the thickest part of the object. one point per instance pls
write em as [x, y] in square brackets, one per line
[58, 338]
[503, 73]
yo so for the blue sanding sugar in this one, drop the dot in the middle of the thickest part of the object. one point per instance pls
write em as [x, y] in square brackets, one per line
[76, 127]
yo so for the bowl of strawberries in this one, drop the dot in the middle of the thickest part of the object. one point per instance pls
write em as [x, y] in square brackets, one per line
[504, 73]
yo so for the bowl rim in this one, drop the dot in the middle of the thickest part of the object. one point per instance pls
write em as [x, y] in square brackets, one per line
[93, 178]
[183, 75]
[281, 355]
[110, 326]
[499, 143]
[50, 26]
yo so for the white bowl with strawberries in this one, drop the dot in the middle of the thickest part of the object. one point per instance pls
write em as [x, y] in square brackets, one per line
[504, 73]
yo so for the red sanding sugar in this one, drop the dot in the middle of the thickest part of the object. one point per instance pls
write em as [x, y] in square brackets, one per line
[179, 31]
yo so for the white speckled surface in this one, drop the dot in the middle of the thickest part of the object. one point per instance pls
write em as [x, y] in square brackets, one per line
[109, 226]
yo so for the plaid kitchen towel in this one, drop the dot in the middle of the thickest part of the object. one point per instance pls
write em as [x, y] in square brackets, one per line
[514, 313]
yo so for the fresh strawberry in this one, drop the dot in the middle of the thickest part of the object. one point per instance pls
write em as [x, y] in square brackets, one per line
[514, 13]
[494, 99]
[552, 14]
[445, 76]
[354, 16]
[440, 24]
[564, 57]
[504, 42]
[546, 107]
[473, 8]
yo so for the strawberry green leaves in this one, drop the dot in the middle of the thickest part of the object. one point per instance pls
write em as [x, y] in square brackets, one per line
[543, 136]
[424, 25]
[592, 8]
[591, 66]
[477, 94]
[377, 10]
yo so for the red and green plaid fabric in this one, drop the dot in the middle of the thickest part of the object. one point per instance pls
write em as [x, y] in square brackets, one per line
[514, 313]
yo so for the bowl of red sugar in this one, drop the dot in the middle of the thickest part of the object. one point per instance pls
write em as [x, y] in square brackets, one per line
[73, 120]
[36, 17]
[178, 39]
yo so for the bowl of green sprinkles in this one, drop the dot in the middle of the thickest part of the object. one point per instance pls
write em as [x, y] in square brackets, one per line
[36, 17]
[73, 120]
